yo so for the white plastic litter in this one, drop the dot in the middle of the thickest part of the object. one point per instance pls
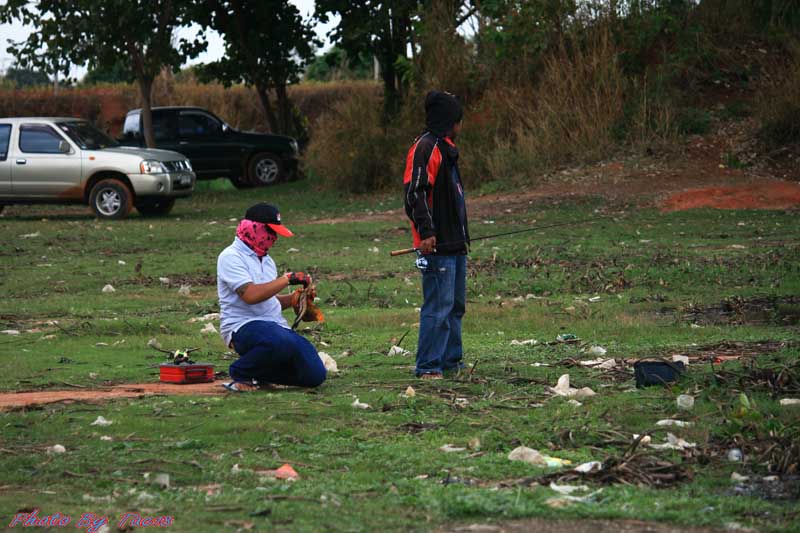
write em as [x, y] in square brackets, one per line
[162, 480]
[101, 421]
[108, 288]
[790, 401]
[30, 235]
[567, 489]
[527, 455]
[56, 448]
[165, 281]
[562, 388]
[673, 422]
[575, 403]
[153, 343]
[235, 469]
[359, 405]
[645, 440]
[602, 364]
[410, 392]
[449, 448]
[106, 438]
[685, 402]
[205, 318]
[527, 342]
[735, 455]
[208, 329]
[292, 250]
[673, 443]
[397, 350]
[588, 468]
[329, 362]
[10, 332]
[185, 290]
[738, 478]
[597, 351]
[121, 262]
[680, 359]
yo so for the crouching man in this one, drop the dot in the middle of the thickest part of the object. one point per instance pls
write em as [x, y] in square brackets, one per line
[250, 304]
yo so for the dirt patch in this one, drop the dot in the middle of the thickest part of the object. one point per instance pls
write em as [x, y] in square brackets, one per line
[10, 400]
[574, 526]
[770, 195]
[731, 350]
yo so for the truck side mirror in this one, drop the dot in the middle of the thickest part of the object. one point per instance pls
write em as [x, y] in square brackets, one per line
[63, 147]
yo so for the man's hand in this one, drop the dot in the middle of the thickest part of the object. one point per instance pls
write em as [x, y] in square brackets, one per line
[428, 246]
[298, 278]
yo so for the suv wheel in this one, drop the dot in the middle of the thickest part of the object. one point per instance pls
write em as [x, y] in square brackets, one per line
[152, 208]
[265, 169]
[111, 199]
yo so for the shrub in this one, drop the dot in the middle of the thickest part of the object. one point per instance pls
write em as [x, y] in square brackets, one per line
[779, 109]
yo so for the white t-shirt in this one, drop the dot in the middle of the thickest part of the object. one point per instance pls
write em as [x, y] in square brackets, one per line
[237, 265]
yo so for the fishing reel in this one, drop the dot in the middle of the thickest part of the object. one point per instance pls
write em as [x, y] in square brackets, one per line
[421, 262]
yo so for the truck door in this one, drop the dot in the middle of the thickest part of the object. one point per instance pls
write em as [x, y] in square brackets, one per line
[5, 163]
[203, 141]
[45, 163]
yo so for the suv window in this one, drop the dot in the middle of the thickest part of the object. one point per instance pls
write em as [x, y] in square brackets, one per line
[5, 135]
[163, 126]
[196, 124]
[131, 127]
[39, 139]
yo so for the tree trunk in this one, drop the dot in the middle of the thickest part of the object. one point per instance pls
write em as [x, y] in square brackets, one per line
[284, 110]
[145, 95]
[266, 106]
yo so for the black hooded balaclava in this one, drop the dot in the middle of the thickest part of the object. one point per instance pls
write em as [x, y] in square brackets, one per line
[442, 112]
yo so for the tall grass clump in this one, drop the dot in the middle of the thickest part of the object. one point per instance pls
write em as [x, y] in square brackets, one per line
[778, 108]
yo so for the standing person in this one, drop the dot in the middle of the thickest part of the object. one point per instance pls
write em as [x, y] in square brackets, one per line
[434, 201]
[250, 309]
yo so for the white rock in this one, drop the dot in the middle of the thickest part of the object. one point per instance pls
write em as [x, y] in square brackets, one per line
[329, 362]
[685, 402]
[101, 421]
[56, 448]
[208, 329]
[108, 288]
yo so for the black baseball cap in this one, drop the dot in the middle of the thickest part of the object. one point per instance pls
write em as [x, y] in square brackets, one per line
[269, 215]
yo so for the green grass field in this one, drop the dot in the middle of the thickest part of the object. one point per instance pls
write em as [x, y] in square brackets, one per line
[639, 283]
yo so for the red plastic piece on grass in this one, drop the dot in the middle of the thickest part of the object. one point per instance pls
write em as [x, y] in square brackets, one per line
[286, 472]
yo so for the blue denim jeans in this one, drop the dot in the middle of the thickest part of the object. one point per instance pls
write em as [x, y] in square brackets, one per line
[270, 353]
[444, 287]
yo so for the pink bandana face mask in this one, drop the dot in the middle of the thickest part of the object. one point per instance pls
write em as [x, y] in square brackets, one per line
[257, 236]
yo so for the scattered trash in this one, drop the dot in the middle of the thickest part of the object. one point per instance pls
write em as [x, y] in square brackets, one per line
[790, 401]
[528, 342]
[588, 468]
[108, 289]
[374, 249]
[205, 318]
[93, 375]
[56, 448]
[101, 344]
[575, 403]
[285, 472]
[568, 338]
[153, 343]
[673, 443]
[10, 332]
[567, 489]
[30, 235]
[673, 422]
[121, 262]
[208, 329]
[162, 480]
[185, 290]
[101, 421]
[292, 251]
[735, 455]
[597, 351]
[164, 281]
[562, 388]
[533, 457]
[659, 372]
[106, 438]
[449, 448]
[359, 405]
[329, 362]
[474, 443]
[397, 350]
[738, 478]
[685, 402]
[681, 359]
[602, 364]
[410, 392]
[643, 440]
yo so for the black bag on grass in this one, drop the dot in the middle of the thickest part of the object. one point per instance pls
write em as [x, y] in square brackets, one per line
[658, 372]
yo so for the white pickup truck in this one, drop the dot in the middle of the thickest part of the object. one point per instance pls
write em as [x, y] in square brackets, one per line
[67, 160]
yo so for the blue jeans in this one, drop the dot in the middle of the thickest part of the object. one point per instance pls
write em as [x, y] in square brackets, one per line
[444, 287]
[270, 353]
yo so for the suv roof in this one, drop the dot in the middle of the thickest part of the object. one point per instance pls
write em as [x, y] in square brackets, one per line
[41, 119]
[171, 108]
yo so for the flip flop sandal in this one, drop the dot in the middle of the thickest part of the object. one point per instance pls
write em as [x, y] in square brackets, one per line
[233, 386]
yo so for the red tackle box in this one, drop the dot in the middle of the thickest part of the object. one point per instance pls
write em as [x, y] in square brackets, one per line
[193, 373]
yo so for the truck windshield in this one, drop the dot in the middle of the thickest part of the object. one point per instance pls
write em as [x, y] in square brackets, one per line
[87, 136]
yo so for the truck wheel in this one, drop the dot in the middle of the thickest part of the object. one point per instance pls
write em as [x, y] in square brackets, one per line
[240, 182]
[111, 199]
[154, 208]
[265, 169]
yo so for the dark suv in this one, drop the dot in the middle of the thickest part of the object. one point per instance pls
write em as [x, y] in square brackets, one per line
[215, 149]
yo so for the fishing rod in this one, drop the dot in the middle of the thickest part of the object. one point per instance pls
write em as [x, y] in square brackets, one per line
[404, 251]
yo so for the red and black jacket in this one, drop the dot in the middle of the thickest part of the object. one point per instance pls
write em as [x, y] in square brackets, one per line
[434, 195]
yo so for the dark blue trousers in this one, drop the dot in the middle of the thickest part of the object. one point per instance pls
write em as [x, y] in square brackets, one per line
[270, 353]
